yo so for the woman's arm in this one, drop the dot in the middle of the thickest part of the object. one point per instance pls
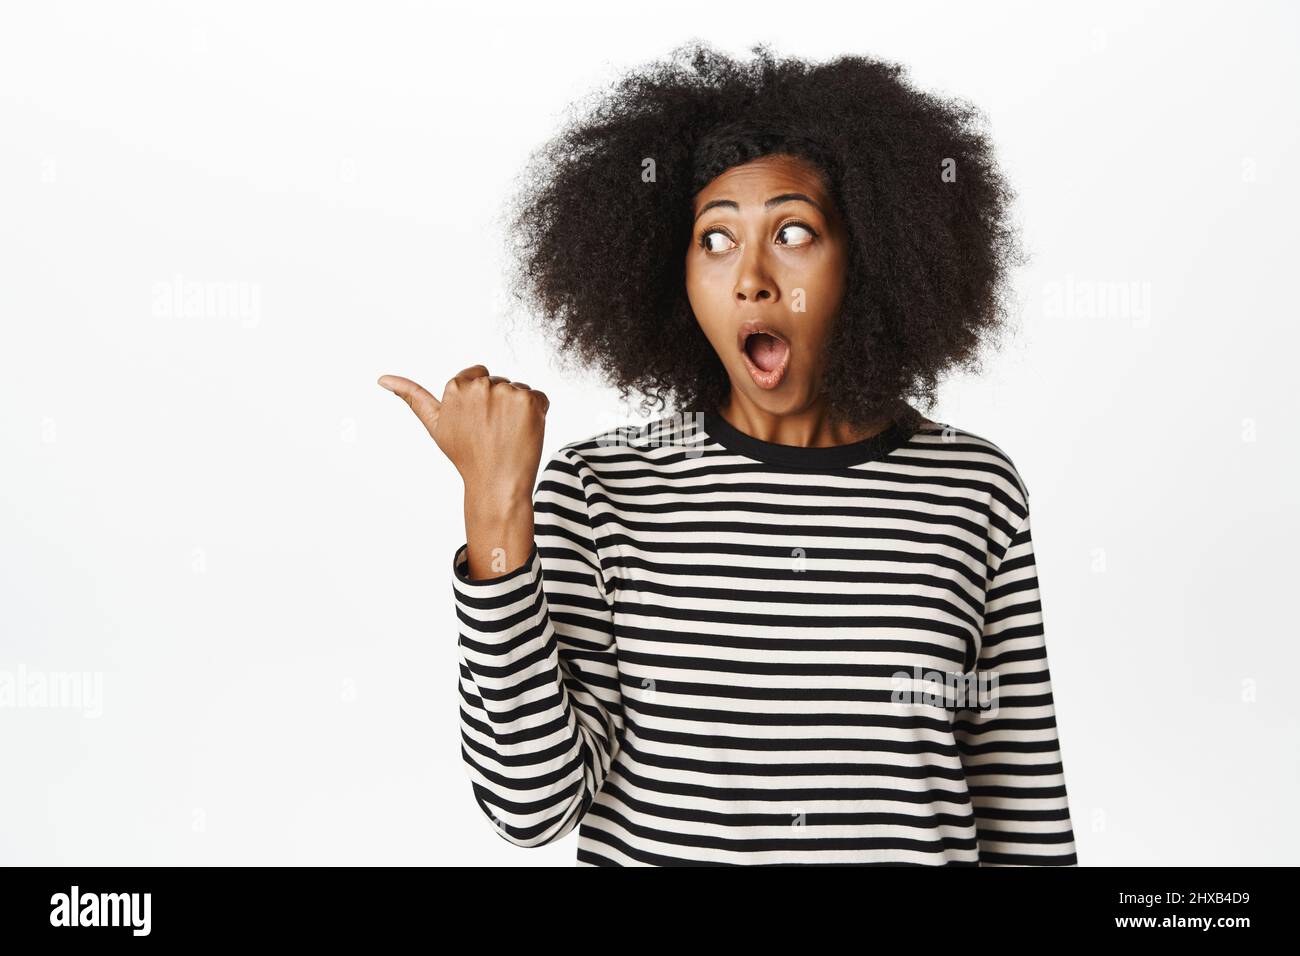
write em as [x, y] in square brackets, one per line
[1012, 756]
[541, 707]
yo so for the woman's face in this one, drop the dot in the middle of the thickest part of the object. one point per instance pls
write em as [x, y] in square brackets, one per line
[765, 276]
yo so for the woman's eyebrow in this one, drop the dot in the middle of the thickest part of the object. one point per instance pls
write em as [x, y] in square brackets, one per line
[774, 201]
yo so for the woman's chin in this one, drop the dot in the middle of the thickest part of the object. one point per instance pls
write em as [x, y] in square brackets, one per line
[790, 395]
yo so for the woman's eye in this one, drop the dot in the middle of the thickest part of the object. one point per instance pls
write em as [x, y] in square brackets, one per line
[798, 227]
[800, 235]
[708, 246]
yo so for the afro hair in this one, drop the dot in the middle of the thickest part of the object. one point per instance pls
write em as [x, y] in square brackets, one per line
[598, 230]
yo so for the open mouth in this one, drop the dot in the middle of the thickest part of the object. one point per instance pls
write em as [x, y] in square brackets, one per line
[766, 352]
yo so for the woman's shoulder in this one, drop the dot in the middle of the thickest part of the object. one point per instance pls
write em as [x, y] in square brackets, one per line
[972, 452]
[669, 435]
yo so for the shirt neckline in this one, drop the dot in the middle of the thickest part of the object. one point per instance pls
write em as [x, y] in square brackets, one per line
[877, 446]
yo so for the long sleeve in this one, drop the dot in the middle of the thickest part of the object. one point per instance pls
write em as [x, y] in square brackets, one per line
[540, 702]
[1012, 755]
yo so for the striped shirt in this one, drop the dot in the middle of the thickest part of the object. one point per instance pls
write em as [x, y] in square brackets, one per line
[726, 651]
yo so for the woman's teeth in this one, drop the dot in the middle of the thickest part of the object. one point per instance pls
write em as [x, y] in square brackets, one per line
[766, 351]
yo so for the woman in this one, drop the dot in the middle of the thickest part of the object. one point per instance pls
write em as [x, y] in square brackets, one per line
[796, 622]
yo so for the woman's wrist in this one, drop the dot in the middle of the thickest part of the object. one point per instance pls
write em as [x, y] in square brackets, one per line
[498, 534]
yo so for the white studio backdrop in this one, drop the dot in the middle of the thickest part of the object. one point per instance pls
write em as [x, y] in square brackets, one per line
[239, 546]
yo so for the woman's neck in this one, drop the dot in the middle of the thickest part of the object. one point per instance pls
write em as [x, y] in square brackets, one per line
[810, 427]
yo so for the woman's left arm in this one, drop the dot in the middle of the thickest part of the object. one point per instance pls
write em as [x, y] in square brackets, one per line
[1012, 754]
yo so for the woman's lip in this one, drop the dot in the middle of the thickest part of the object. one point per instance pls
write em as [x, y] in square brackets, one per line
[750, 326]
[763, 379]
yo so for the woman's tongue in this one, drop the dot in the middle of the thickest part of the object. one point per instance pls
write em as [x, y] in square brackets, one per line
[766, 351]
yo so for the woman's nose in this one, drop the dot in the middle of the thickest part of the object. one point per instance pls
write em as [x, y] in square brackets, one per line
[755, 282]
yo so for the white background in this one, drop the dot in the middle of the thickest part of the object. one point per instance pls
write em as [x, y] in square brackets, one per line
[248, 542]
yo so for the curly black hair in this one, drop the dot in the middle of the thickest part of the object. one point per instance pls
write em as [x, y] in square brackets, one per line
[598, 244]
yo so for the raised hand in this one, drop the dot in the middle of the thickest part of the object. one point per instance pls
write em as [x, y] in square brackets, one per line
[491, 429]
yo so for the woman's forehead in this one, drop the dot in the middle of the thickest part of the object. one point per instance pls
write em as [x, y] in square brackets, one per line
[757, 181]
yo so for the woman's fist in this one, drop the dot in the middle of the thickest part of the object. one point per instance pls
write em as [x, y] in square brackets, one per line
[489, 427]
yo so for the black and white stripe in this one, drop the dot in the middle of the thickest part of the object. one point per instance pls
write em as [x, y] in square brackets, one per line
[697, 664]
